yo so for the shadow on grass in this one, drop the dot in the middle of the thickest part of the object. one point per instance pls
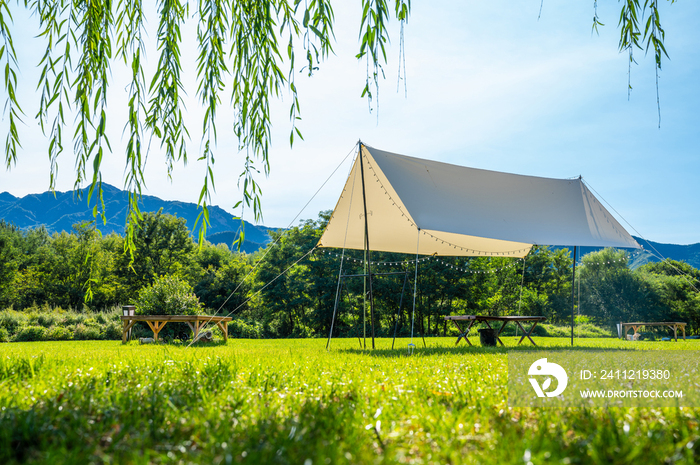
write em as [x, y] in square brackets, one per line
[471, 350]
[215, 343]
[179, 343]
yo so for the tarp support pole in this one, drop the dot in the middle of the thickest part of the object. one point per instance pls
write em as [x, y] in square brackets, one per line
[368, 256]
[415, 289]
[398, 313]
[337, 297]
[573, 301]
[364, 300]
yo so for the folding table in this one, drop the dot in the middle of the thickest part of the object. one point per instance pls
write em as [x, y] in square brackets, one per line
[505, 319]
[674, 325]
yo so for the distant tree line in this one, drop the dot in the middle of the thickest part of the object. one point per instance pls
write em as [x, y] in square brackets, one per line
[289, 292]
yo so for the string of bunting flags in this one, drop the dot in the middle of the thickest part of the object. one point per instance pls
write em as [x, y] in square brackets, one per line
[424, 259]
[632, 255]
[354, 260]
[517, 261]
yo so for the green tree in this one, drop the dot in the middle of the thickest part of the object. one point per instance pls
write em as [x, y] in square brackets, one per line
[676, 288]
[296, 299]
[611, 292]
[74, 268]
[169, 295]
[548, 279]
[10, 237]
[32, 277]
[441, 286]
[388, 295]
[218, 276]
[162, 246]
[494, 285]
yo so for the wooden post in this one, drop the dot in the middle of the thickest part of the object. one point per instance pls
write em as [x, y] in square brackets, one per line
[156, 326]
[223, 326]
[126, 329]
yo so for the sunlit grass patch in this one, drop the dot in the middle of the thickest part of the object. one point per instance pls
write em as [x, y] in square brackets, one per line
[289, 401]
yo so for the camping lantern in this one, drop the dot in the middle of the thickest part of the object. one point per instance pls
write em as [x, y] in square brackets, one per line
[128, 310]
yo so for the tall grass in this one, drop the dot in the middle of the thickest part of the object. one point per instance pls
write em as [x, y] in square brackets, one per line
[291, 401]
[57, 324]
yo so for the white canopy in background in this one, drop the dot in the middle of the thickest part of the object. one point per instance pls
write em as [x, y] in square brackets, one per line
[464, 211]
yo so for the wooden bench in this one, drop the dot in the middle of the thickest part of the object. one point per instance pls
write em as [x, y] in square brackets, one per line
[674, 325]
[157, 322]
[505, 319]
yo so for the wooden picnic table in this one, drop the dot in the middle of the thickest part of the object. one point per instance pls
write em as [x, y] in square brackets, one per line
[157, 322]
[674, 325]
[505, 319]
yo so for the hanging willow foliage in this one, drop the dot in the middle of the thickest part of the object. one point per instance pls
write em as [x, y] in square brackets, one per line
[247, 46]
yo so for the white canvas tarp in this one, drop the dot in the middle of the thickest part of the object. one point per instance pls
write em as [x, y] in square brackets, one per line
[462, 211]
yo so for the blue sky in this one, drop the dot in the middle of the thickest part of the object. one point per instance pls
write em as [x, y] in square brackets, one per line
[488, 86]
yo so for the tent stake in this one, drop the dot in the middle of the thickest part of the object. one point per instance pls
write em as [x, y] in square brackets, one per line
[573, 282]
[368, 256]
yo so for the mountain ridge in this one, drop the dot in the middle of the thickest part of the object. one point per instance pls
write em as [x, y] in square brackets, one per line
[59, 211]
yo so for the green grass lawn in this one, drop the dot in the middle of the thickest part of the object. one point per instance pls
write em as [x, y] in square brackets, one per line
[291, 401]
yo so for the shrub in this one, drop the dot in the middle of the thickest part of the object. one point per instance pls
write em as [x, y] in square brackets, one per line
[302, 332]
[72, 318]
[59, 333]
[84, 332]
[13, 320]
[47, 320]
[242, 329]
[103, 318]
[169, 295]
[4, 336]
[111, 331]
[31, 333]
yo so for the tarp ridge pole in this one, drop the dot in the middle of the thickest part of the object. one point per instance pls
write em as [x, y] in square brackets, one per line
[371, 293]
[364, 300]
[578, 302]
[368, 256]
[520, 302]
[415, 288]
[340, 272]
[573, 285]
